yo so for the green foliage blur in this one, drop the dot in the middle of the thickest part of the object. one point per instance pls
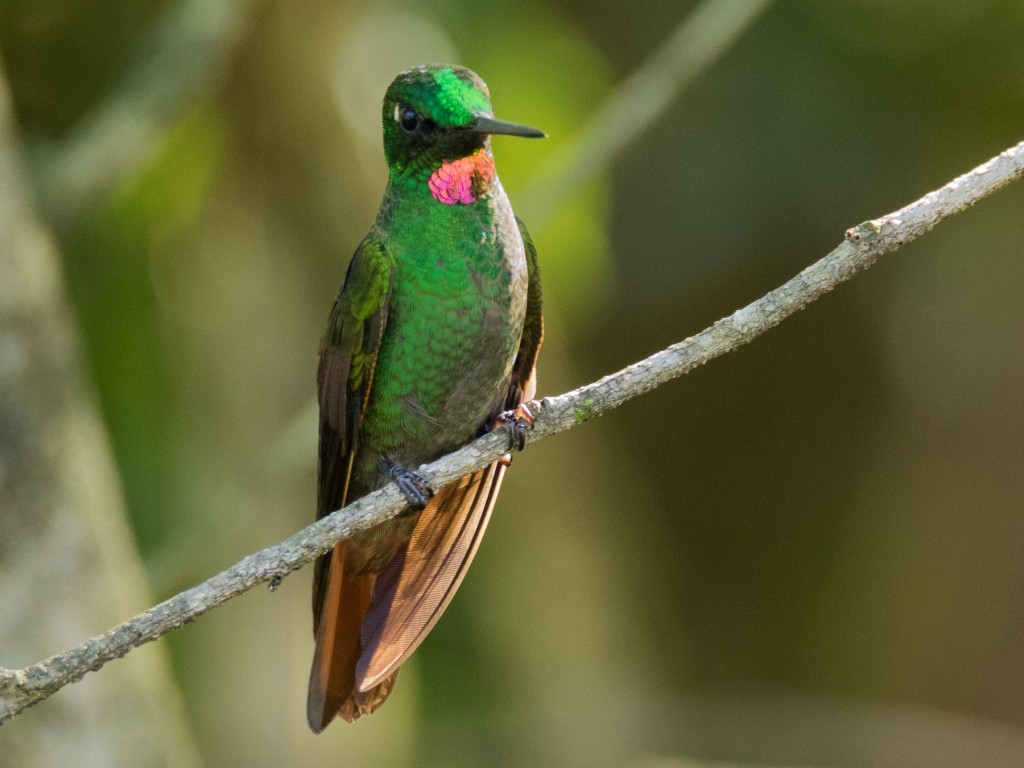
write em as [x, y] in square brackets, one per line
[808, 552]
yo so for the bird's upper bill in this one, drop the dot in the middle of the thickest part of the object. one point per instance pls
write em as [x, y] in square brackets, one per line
[491, 126]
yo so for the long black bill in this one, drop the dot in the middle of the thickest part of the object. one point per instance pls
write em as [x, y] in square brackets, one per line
[489, 125]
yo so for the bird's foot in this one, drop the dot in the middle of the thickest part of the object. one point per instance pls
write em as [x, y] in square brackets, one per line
[414, 487]
[516, 422]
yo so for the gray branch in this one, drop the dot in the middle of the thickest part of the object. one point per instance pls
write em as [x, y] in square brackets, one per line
[699, 40]
[862, 246]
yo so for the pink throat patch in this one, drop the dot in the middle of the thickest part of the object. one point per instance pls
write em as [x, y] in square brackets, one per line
[464, 181]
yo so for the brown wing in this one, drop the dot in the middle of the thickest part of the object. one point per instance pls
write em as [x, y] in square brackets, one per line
[524, 370]
[348, 356]
[348, 360]
[410, 596]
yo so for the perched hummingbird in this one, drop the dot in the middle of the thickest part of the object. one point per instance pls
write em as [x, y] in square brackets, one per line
[432, 341]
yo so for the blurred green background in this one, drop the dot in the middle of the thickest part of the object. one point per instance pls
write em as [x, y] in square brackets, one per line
[808, 552]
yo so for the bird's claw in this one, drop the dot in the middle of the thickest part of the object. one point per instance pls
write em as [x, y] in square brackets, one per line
[516, 422]
[414, 487]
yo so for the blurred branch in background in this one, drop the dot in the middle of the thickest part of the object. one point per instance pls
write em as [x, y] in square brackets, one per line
[67, 556]
[65, 542]
[639, 101]
[180, 59]
[862, 247]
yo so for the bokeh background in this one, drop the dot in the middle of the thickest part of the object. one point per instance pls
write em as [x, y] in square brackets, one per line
[808, 552]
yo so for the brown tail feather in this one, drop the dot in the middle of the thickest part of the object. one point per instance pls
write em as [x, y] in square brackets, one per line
[332, 680]
[369, 624]
[411, 595]
[367, 702]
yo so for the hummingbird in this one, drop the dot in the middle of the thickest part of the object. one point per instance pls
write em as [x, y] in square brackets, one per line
[432, 341]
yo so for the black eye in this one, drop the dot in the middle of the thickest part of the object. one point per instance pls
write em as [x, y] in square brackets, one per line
[412, 123]
[408, 119]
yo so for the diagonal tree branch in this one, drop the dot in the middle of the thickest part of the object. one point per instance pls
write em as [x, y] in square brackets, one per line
[862, 246]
